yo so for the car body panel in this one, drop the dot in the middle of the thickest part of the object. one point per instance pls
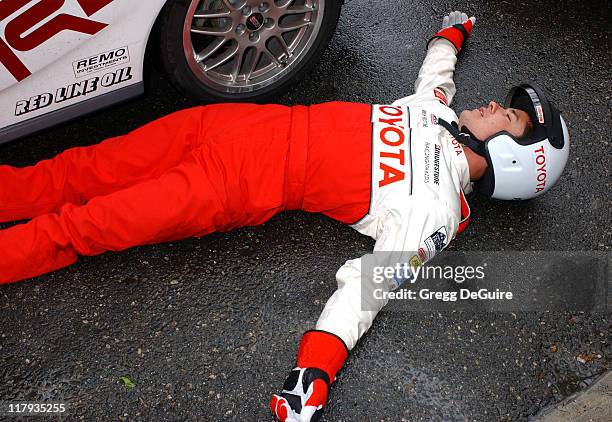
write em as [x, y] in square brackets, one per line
[63, 58]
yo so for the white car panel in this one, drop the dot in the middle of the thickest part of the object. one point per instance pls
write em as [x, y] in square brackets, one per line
[73, 50]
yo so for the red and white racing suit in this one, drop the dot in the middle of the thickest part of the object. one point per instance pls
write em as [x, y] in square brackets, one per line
[388, 170]
[419, 177]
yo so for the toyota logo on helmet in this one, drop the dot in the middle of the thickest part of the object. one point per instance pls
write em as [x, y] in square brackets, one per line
[522, 168]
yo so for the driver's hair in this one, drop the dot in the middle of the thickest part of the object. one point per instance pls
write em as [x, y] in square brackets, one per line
[528, 130]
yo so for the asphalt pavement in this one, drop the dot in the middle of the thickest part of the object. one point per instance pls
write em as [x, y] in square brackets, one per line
[207, 329]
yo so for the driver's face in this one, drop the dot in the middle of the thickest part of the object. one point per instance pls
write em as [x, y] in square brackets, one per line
[484, 122]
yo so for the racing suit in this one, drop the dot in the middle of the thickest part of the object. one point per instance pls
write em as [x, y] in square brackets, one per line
[388, 170]
[419, 178]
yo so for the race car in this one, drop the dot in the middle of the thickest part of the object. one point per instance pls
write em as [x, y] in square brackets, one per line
[60, 59]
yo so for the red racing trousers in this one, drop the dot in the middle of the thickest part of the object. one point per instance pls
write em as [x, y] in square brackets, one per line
[194, 172]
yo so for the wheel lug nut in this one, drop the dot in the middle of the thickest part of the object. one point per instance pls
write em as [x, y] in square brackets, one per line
[246, 11]
[263, 7]
[240, 29]
[254, 36]
[269, 23]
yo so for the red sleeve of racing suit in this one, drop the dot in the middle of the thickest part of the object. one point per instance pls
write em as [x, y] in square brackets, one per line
[322, 350]
[456, 34]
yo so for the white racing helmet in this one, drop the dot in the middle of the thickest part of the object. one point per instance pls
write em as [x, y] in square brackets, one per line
[523, 168]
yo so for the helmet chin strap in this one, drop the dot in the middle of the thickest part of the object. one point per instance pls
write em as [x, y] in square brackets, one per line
[468, 139]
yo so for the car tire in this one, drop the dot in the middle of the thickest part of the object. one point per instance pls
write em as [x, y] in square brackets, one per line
[230, 50]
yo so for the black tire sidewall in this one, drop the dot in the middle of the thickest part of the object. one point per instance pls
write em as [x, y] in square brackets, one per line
[178, 70]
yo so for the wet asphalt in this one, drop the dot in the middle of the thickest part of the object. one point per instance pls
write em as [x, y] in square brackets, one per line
[206, 329]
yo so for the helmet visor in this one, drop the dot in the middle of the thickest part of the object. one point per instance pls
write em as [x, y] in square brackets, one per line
[530, 98]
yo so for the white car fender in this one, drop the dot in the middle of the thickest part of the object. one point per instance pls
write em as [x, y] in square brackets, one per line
[74, 52]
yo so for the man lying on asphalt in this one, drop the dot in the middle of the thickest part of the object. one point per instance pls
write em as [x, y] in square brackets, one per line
[395, 172]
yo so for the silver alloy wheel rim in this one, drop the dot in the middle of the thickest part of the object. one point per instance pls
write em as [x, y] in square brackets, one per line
[239, 46]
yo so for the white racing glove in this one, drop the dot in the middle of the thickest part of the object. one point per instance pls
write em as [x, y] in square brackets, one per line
[320, 357]
[456, 27]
